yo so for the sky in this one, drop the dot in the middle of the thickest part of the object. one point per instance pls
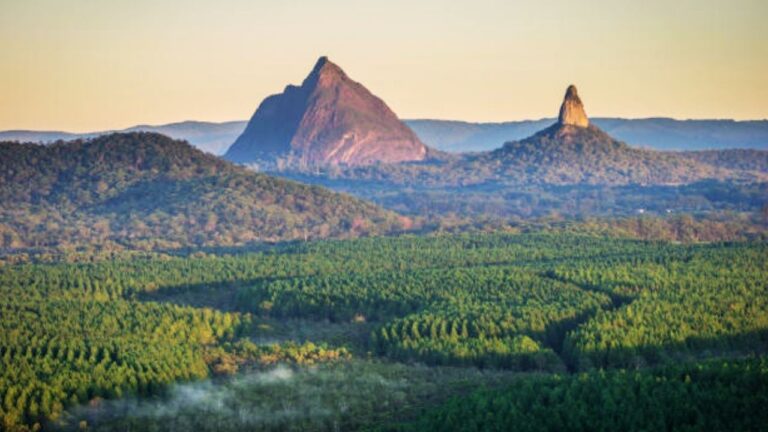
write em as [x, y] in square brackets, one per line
[84, 65]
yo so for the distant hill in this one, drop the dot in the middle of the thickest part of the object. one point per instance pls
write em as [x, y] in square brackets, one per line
[568, 154]
[146, 190]
[209, 137]
[654, 133]
[329, 119]
[460, 136]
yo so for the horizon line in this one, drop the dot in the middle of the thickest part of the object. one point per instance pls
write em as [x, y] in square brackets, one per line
[553, 118]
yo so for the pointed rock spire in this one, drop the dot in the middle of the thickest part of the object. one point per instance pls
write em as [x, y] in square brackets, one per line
[572, 110]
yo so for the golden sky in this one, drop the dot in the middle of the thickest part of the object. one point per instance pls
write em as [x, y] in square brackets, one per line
[82, 65]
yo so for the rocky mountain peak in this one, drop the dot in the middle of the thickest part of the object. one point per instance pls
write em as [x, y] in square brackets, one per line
[329, 119]
[572, 110]
[325, 72]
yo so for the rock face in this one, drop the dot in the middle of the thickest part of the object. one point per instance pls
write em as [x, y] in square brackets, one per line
[329, 119]
[572, 110]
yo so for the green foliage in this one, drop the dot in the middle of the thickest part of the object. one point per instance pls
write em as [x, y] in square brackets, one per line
[516, 301]
[480, 315]
[69, 349]
[682, 228]
[147, 191]
[487, 317]
[708, 396]
[72, 332]
[715, 300]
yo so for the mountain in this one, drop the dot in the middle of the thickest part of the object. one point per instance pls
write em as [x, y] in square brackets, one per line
[148, 190]
[569, 168]
[328, 120]
[209, 137]
[573, 150]
[653, 133]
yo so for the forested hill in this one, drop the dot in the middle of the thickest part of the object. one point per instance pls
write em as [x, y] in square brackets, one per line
[565, 154]
[147, 190]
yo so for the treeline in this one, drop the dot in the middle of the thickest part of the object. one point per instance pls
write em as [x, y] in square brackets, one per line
[558, 155]
[474, 204]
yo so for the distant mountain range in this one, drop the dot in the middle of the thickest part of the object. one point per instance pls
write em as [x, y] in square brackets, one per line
[460, 136]
[210, 137]
[147, 191]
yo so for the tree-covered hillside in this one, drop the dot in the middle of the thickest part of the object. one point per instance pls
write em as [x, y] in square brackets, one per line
[574, 155]
[147, 190]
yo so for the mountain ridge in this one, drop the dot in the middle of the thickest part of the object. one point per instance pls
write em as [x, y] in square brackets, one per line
[660, 133]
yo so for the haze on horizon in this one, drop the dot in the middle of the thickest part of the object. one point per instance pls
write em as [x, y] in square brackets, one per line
[85, 65]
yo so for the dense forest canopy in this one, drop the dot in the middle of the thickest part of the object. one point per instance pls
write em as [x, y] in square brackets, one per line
[507, 303]
[145, 190]
[707, 396]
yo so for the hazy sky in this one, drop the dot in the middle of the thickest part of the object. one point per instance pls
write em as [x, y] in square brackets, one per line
[95, 64]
